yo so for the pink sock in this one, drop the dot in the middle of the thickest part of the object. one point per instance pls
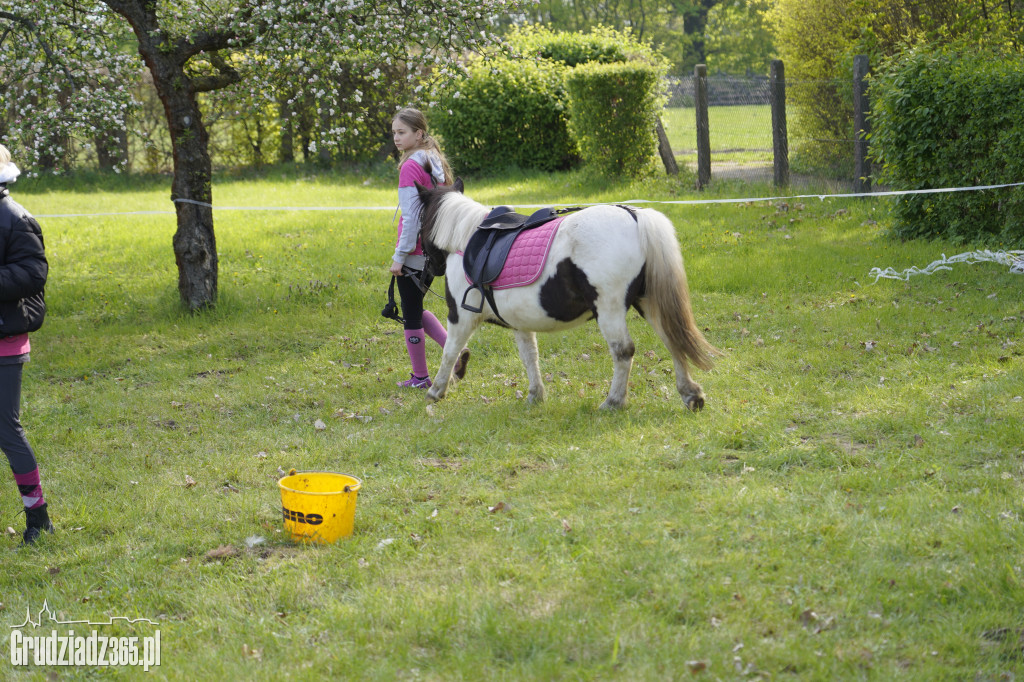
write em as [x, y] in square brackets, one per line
[31, 492]
[417, 352]
[434, 329]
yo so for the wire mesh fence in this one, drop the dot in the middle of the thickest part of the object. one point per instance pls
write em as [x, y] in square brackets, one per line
[819, 117]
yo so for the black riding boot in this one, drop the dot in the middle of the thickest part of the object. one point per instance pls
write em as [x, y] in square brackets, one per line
[36, 521]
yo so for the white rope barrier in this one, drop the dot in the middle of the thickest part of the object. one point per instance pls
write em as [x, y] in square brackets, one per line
[686, 202]
[1013, 259]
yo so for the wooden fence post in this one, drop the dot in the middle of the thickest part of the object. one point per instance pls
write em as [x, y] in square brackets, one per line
[665, 149]
[780, 139]
[861, 126]
[700, 86]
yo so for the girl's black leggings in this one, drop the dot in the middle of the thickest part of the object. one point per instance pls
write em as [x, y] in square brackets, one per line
[412, 302]
[12, 436]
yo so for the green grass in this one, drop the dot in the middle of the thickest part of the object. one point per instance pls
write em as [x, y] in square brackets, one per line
[835, 512]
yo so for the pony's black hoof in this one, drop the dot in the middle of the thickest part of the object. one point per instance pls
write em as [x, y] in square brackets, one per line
[695, 403]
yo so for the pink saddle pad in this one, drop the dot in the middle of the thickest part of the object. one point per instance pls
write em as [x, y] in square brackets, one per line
[527, 258]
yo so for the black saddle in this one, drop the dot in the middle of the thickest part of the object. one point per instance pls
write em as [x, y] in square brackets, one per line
[488, 249]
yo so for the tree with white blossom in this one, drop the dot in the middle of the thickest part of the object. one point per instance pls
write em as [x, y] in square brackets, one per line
[73, 71]
[62, 78]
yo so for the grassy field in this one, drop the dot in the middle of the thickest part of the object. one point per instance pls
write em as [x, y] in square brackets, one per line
[738, 134]
[848, 505]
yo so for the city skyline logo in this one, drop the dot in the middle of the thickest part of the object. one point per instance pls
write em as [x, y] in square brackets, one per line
[52, 618]
[61, 646]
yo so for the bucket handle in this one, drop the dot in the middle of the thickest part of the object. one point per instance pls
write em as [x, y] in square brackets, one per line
[348, 488]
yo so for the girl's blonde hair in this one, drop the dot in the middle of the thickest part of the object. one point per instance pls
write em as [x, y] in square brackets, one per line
[415, 119]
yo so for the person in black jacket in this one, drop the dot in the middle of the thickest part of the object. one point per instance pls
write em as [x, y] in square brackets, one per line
[23, 270]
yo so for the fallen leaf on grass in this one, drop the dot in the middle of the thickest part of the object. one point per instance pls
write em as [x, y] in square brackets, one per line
[11, 531]
[222, 552]
[918, 440]
[319, 425]
[566, 528]
[254, 654]
[809, 618]
[189, 481]
[697, 666]
[384, 543]
[498, 507]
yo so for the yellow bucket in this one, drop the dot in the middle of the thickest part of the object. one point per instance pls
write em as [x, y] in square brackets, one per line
[319, 506]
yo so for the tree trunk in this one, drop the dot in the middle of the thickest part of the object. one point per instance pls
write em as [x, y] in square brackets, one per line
[111, 149]
[195, 249]
[287, 130]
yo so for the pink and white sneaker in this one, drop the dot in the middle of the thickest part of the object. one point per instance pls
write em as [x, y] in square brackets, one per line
[416, 382]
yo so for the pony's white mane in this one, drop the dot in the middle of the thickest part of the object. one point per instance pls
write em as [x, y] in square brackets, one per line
[457, 218]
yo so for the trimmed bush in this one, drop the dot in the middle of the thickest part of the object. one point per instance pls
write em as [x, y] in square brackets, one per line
[613, 111]
[572, 49]
[952, 118]
[514, 112]
[507, 113]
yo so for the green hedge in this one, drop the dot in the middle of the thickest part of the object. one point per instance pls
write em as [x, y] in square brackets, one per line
[572, 49]
[952, 118]
[514, 112]
[507, 113]
[613, 111]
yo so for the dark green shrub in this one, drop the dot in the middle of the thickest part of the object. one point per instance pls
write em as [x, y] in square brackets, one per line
[952, 118]
[571, 49]
[507, 112]
[514, 112]
[613, 109]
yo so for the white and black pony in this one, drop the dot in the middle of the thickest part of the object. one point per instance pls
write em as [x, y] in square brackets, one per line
[601, 261]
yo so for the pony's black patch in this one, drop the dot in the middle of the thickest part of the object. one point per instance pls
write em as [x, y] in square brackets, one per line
[453, 307]
[568, 294]
[636, 289]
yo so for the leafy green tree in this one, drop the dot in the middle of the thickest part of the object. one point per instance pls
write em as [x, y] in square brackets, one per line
[200, 46]
[738, 37]
[675, 27]
[818, 40]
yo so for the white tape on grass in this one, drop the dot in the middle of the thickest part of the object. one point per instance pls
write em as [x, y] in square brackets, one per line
[1012, 259]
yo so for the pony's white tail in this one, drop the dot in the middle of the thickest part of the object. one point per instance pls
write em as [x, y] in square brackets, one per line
[667, 296]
